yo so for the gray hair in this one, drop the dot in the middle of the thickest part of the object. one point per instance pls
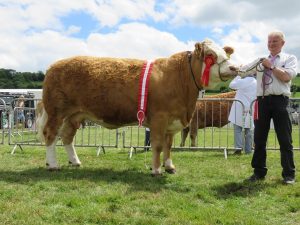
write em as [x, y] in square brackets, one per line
[277, 33]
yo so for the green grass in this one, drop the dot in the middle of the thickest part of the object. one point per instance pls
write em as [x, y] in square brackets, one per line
[296, 81]
[112, 189]
[297, 95]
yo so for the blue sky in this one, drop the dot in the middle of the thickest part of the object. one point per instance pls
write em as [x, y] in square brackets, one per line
[37, 33]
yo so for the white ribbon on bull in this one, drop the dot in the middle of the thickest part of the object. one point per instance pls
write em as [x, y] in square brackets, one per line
[143, 91]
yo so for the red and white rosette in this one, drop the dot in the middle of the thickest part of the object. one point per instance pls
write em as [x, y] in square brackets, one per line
[143, 91]
[209, 61]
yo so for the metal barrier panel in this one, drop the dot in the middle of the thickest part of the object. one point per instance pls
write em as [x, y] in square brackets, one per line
[94, 135]
[134, 137]
[210, 131]
[294, 111]
[209, 127]
[24, 131]
[4, 125]
[215, 130]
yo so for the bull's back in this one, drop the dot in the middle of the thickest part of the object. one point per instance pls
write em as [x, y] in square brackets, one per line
[105, 88]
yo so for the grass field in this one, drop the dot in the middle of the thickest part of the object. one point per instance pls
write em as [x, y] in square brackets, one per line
[112, 189]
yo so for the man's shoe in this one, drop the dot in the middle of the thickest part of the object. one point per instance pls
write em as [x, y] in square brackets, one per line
[288, 180]
[255, 178]
[238, 152]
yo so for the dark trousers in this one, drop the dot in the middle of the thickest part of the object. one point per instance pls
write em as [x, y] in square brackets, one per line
[274, 107]
[147, 139]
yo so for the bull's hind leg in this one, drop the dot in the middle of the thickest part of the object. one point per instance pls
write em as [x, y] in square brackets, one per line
[51, 161]
[169, 167]
[50, 133]
[184, 134]
[67, 134]
[193, 134]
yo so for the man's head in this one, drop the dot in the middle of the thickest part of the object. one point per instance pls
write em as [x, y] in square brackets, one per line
[276, 41]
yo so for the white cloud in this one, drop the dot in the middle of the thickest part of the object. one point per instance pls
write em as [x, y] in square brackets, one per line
[33, 34]
[135, 40]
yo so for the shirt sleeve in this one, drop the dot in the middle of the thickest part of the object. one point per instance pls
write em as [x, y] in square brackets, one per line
[239, 83]
[291, 66]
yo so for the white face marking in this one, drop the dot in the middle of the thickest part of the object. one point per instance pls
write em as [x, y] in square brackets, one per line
[219, 52]
[221, 66]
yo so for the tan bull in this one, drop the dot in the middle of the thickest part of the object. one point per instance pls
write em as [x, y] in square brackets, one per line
[210, 113]
[105, 90]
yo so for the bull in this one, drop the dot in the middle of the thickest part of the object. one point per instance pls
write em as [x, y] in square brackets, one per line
[105, 90]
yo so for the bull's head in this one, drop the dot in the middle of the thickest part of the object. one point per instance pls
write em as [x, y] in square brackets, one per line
[220, 68]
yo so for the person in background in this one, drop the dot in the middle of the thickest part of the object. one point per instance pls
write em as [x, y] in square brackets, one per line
[274, 77]
[239, 114]
[20, 109]
[147, 139]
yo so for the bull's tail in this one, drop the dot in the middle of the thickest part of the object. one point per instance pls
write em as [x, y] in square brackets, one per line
[41, 120]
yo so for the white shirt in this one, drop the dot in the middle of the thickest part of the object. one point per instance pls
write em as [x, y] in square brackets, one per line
[285, 62]
[245, 94]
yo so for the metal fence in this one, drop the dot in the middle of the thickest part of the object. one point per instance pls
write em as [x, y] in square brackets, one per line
[23, 130]
[212, 135]
[3, 119]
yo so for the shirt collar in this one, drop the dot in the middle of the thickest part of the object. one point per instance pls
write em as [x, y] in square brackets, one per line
[277, 56]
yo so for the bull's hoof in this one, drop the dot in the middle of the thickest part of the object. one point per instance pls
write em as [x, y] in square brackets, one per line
[171, 171]
[52, 169]
[74, 164]
[156, 174]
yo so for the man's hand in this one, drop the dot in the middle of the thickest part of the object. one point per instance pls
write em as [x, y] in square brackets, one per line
[266, 63]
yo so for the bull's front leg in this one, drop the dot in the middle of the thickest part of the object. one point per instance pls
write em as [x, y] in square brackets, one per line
[156, 168]
[158, 128]
[169, 167]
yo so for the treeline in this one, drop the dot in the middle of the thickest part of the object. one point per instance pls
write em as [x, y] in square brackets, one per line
[295, 87]
[11, 79]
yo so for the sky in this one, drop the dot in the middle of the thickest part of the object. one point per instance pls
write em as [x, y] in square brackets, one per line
[36, 33]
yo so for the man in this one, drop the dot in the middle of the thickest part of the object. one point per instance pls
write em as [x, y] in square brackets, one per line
[273, 91]
[240, 112]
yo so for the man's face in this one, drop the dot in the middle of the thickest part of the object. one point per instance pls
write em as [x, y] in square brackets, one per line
[275, 44]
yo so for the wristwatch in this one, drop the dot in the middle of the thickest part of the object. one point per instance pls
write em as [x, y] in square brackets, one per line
[272, 67]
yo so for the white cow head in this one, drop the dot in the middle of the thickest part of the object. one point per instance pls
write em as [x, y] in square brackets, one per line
[221, 70]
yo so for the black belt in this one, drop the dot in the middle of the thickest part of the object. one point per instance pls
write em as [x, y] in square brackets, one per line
[272, 96]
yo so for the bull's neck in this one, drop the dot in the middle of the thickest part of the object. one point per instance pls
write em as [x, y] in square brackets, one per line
[192, 76]
[194, 65]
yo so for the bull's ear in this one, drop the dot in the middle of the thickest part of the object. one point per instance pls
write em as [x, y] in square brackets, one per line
[198, 49]
[228, 50]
